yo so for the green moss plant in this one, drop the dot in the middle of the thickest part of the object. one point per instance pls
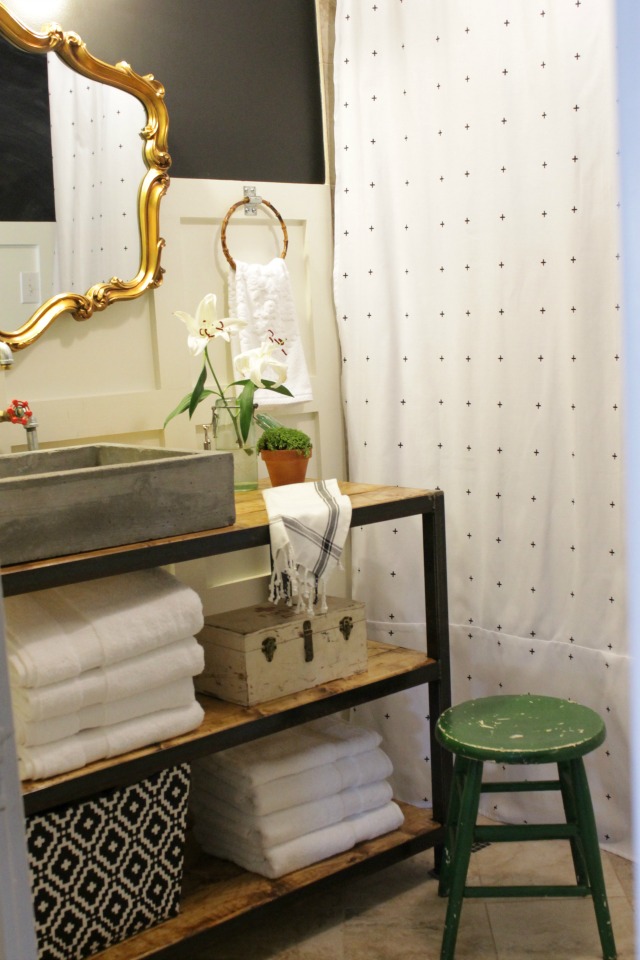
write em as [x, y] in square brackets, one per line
[285, 438]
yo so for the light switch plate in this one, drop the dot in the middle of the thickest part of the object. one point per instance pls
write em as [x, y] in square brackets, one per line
[29, 287]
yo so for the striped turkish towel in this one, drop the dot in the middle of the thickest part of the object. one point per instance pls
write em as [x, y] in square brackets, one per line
[308, 526]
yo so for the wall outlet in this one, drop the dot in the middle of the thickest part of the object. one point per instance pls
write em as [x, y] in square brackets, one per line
[29, 287]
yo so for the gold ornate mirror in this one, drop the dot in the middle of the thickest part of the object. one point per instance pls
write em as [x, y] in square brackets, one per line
[70, 50]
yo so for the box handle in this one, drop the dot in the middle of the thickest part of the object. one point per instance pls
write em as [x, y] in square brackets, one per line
[269, 645]
[346, 626]
[307, 633]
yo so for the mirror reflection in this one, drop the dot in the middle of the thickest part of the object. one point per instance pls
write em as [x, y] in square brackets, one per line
[74, 161]
[79, 207]
[97, 169]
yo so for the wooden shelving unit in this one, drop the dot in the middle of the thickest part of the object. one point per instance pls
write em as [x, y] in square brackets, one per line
[216, 892]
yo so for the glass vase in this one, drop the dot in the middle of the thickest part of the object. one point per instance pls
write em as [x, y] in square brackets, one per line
[228, 439]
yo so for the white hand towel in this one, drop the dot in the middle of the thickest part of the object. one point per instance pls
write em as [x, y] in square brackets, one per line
[308, 526]
[283, 825]
[261, 295]
[56, 634]
[107, 684]
[312, 784]
[276, 861]
[180, 693]
[291, 751]
[51, 759]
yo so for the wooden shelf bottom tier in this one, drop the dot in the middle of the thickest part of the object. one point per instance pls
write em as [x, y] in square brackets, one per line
[215, 891]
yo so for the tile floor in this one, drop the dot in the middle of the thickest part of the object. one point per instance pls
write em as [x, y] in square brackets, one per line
[396, 914]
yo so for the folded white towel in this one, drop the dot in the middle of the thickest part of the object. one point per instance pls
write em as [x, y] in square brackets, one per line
[56, 634]
[295, 854]
[291, 751]
[261, 295]
[308, 526]
[285, 792]
[283, 825]
[51, 759]
[107, 684]
[180, 693]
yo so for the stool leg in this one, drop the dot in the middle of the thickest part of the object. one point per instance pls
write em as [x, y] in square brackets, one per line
[571, 816]
[451, 826]
[588, 832]
[460, 854]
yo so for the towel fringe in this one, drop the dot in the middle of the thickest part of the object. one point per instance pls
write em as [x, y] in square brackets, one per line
[291, 581]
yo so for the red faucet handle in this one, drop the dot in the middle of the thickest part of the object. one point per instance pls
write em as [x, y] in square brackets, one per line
[19, 412]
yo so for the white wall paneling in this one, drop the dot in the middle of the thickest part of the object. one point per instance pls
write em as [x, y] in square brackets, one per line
[192, 217]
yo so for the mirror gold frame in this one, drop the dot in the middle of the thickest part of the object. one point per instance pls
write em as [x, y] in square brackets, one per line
[71, 49]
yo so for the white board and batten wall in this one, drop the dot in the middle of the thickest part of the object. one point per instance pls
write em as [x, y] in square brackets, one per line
[192, 216]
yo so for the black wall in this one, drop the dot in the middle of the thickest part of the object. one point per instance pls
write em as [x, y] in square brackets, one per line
[26, 181]
[242, 79]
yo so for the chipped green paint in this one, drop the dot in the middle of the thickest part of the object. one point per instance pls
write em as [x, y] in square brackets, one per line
[520, 729]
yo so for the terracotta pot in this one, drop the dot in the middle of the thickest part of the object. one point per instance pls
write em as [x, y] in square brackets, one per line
[285, 466]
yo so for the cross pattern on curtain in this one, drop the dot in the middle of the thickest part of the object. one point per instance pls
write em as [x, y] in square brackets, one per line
[478, 301]
[98, 166]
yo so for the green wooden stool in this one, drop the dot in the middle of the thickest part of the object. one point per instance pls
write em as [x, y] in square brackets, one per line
[521, 730]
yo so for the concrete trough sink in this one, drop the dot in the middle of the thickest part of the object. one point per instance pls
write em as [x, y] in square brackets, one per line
[73, 499]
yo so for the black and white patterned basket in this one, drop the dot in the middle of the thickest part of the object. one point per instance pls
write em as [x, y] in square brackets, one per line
[107, 868]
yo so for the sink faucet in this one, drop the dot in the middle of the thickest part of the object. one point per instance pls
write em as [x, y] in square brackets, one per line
[20, 412]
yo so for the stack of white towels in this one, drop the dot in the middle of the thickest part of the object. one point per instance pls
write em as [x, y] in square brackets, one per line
[101, 668]
[279, 804]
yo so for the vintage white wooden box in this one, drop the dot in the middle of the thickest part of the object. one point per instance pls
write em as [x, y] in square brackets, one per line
[263, 652]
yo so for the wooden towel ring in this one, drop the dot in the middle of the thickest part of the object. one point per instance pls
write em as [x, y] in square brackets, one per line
[231, 211]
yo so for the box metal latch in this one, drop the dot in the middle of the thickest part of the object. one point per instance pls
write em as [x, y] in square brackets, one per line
[269, 645]
[346, 626]
[307, 633]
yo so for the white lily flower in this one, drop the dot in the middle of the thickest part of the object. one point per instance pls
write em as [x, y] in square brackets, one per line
[228, 327]
[252, 364]
[198, 327]
[205, 325]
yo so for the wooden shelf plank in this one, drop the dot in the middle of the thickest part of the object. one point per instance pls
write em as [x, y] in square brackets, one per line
[370, 504]
[215, 892]
[226, 724]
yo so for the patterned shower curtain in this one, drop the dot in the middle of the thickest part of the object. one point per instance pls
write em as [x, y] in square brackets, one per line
[478, 300]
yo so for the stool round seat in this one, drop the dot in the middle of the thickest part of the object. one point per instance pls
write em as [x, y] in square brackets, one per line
[520, 729]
